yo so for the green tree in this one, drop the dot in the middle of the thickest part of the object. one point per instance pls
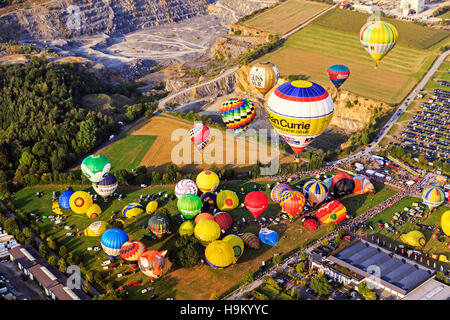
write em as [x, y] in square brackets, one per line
[320, 285]
[62, 251]
[43, 251]
[300, 267]
[331, 227]
[248, 277]
[276, 259]
[53, 260]
[186, 252]
[87, 136]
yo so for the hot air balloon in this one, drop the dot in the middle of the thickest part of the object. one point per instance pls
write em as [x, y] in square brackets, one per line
[315, 191]
[203, 216]
[64, 199]
[433, 196]
[159, 225]
[207, 231]
[94, 211]
[311, 223]
[256, 203]
[292, 202]
[219, 254]
[185, 186]
[132, 210]
[378, 38]
[278, 190]
[208, 200]
[95, 167]
[56, 208]
[338, 73]
[107, 186]
[327, 182]
[251, 240]
[112, 240]
[237, 114]
[414, 238]
[268, 236]
[152, 263]
[95, 229]
[236, 243]
[207, 181]
[186, 228]
[363, 185]
[445, 222]
[200, 135]
[131, 251]
[224, 220]
[189, 205]
[300, 111]
[333, 211]
[342, 184]
[151, 207]
[264, 76]
[80, 202]
[227, 200]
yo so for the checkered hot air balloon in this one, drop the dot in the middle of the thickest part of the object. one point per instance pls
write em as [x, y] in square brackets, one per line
[237, 114]
[131, 251]
[276, 192]
[292, 202]
[200, 135]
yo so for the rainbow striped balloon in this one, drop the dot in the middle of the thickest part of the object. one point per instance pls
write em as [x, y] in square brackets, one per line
[237, 114]
[131, 251]
[378, 38]
[278, 190]
[433, 196]
[315, 191]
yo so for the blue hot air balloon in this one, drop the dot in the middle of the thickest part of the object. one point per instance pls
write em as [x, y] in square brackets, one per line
[112, 240]
[338, 73]
[64, 199]
[268, 236]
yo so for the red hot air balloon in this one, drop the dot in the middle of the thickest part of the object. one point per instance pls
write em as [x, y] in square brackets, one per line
[224, 220]
[200, 135]
[292, 202]
[311, 223]
[256, 202]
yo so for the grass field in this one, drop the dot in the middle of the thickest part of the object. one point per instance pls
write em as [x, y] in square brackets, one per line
[333, 38]
[441, 74]
[128, 151]
[286, 16]
[432, 246]
[105, 103]
[179, 282]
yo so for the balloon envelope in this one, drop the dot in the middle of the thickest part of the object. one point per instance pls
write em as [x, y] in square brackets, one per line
[186, 228]
[185, 186]
[131, 251]
[236, 243]
[159, 225]
[264, 76]
[132, 210]
[292, 202]
[414, 238]
[363, 185]
[219, 254]
[256, 203]
[227, 200]
[80, 202]
[338, 73]
[208, 200]
[189, 205]
[152, 263]
[203, 216]
[342, 184]
[315, 191]
[95, 229]
[151, 207]
[64, 198]
[224, 220]
[94, 211]
[300, 111]
[378, 38]
[433, 196]
[207, 231]
[237, 114]
[251, 240]
[268, 236]
[112, 240]
[445, 222]
[333, 211]
[311, 223]
[200, 135]
[107, 186]
[278, 190]
[95, 167]
[207, 181]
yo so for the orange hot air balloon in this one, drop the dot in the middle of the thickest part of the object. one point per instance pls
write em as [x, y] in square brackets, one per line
[203, 216]
[292, 202]
[333, 211]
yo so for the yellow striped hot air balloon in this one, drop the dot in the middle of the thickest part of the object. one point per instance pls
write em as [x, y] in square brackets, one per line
[378, 38]
[300, 111]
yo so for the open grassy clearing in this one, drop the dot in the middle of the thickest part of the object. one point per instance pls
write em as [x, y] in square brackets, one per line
[286, 16]
[432, 246]
[105, 103]
[179, 282]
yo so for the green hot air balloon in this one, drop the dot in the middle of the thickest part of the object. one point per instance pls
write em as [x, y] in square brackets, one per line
[159, 225]
[189, 205]
[95, 167]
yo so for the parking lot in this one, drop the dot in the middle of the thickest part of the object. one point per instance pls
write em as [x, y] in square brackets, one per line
[16, 283]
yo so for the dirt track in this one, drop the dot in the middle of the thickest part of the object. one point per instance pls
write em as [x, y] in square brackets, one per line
[160, 153]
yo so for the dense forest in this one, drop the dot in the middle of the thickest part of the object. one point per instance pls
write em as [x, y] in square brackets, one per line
[43, 126]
